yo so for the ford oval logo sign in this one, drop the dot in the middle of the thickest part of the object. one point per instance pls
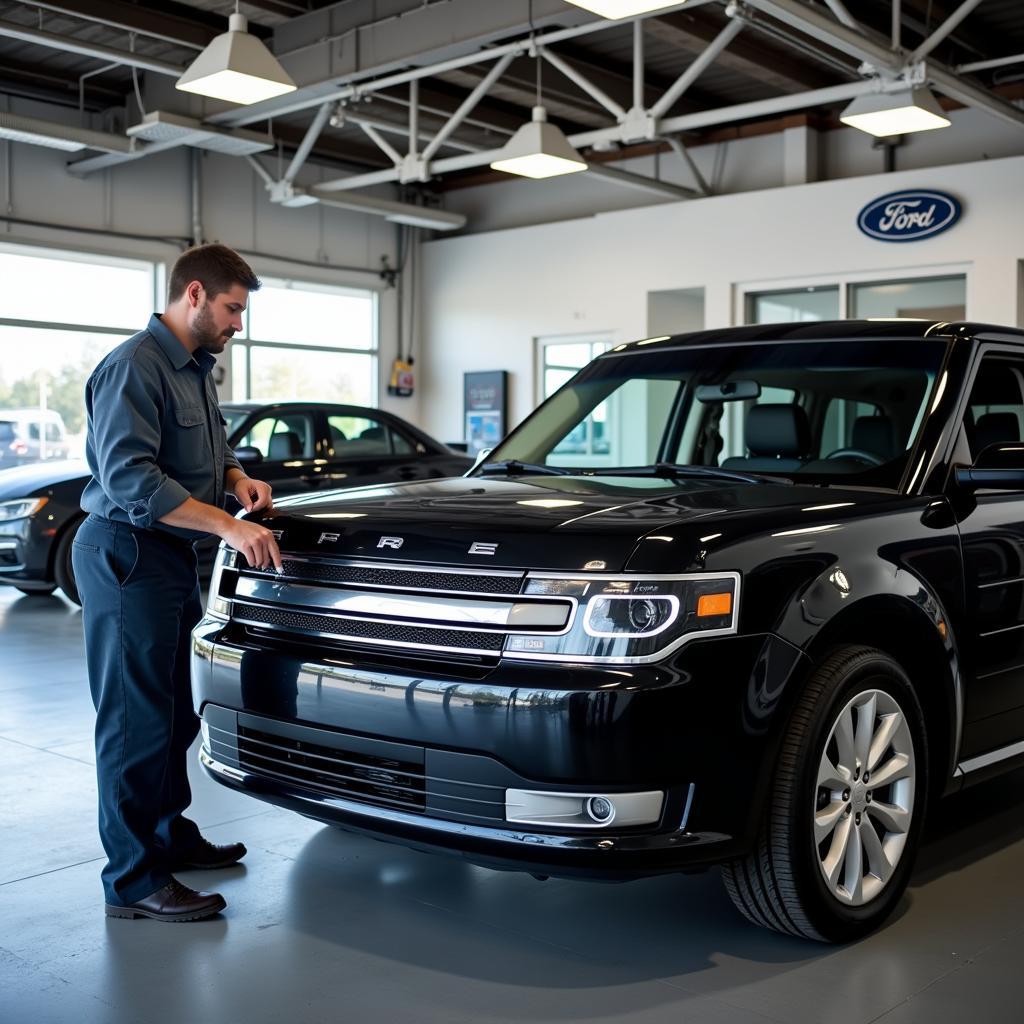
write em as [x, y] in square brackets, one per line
[909, 216]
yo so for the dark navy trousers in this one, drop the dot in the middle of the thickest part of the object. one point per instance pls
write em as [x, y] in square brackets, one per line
[140, 601]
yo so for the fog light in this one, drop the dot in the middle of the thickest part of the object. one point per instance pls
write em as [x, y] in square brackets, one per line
[601, 810]
[582, 810]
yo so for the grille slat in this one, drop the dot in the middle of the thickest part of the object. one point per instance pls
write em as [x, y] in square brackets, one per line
[399, 579]
[296, 762]
[366, 629]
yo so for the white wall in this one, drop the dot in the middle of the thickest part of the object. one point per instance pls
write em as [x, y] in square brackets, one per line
[487, 296]
[152, 197]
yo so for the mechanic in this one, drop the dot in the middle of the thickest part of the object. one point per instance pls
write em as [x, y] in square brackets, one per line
[161, 468]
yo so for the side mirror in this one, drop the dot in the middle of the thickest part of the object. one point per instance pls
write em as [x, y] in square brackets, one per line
[248, 453]
[998, 467]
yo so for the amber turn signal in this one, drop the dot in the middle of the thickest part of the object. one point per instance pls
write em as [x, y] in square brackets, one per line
[714, 604]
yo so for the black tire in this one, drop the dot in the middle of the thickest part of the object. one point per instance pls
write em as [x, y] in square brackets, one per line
[36, 591]
[782, 884]
[63, 570]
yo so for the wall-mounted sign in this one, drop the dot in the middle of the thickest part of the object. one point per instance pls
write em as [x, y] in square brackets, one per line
[484, 405]
[909, 216]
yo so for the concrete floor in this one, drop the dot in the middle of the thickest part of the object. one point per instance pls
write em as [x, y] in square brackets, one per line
[324, 926]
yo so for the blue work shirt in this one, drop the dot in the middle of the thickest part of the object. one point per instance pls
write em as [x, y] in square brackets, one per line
[155, 432]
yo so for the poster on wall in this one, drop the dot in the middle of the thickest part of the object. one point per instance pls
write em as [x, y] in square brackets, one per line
[484, 405]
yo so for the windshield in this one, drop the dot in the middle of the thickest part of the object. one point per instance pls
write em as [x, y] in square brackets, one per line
[840, 411]
[233, 417]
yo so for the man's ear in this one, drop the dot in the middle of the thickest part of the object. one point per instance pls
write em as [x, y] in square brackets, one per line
[194, 293]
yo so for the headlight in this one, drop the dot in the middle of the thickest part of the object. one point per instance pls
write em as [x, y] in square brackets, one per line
[222, 584]
[20, 509]
[631, 619]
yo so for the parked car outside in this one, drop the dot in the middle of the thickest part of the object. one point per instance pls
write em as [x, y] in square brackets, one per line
[31, 435]
[294, 446]
[779, 619]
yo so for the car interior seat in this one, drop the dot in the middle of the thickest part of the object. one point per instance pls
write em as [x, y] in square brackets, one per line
[777, 436]
[996, 428]
[285, 445]
[874, 434]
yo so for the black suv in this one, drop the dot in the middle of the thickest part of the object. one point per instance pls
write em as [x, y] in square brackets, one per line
[774, 617]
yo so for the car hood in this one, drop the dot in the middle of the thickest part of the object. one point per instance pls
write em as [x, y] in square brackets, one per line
[39, 477]
[542, 522]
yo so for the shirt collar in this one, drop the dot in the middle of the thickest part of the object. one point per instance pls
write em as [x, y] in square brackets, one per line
[175, 351]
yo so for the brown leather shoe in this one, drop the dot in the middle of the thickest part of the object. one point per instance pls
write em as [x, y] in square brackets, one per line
[174, 902]
[208, 855]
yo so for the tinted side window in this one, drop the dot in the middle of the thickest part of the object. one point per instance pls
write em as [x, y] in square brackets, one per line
[282, 437]
[996, 407]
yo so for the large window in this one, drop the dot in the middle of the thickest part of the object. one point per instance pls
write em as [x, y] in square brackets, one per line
[561, 358]
[307, 342]
[60, 313]
[924, 297]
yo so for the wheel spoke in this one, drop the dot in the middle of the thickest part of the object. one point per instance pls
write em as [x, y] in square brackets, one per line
[865, 729]
[843, 733]
[888, 726]
[898, 767]
[878, 862]
[853, 877]
[825, 820]
[836, 858]
[830, 776]
[891, 817]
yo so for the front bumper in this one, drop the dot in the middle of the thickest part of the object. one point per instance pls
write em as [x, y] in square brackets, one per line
[425, 756]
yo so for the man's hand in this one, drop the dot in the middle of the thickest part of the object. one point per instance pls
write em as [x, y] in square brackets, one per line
[253, 495]
[255, 542]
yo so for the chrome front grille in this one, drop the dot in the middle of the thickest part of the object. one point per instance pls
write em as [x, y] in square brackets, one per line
[390, 634]
[402, 578]
[420, 608]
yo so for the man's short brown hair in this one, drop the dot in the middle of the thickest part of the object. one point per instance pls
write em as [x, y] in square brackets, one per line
[217, 267]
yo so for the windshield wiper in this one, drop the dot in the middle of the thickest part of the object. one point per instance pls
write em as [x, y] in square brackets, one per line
[677, 469]
[510, 467]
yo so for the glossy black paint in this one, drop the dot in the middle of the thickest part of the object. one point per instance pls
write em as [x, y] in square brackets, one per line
[37, 538]
[928, 572]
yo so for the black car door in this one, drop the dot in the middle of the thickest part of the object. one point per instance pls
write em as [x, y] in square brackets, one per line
[992, 533]
[282, 447]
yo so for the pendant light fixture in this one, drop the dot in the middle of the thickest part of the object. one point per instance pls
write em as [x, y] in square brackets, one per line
[236, 67]
[899, 112]
[539, 149]
[623, 8]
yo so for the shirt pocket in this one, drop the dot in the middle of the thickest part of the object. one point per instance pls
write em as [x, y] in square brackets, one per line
[190, 435]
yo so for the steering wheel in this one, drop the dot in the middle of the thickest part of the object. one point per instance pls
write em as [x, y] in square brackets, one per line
[856, 453]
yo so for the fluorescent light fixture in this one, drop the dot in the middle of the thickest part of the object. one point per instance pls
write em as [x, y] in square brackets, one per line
[622, 8]
[895, 113]
[158, 126]
[236, 67]
[539, 150]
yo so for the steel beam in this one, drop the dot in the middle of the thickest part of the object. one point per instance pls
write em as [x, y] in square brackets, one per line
[583, 82]
[84, 49]
[639, 181]
[943, 30]
[308, 141]
[697, 68]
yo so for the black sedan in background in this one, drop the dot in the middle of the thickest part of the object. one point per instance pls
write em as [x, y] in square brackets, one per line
[294, 446]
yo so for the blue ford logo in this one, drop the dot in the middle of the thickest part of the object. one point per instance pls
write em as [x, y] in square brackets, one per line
[908, 216]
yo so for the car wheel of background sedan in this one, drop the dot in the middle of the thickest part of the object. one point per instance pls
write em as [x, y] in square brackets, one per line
[63, 572]
[835, 851]
[36, 592]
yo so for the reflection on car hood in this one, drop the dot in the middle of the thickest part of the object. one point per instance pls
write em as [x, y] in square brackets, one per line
[37, 477]
[540, 522]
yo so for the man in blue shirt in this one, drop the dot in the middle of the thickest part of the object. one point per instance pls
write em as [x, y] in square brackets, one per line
[160, 470]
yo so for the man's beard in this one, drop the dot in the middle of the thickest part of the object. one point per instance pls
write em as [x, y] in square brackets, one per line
[206, 335]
